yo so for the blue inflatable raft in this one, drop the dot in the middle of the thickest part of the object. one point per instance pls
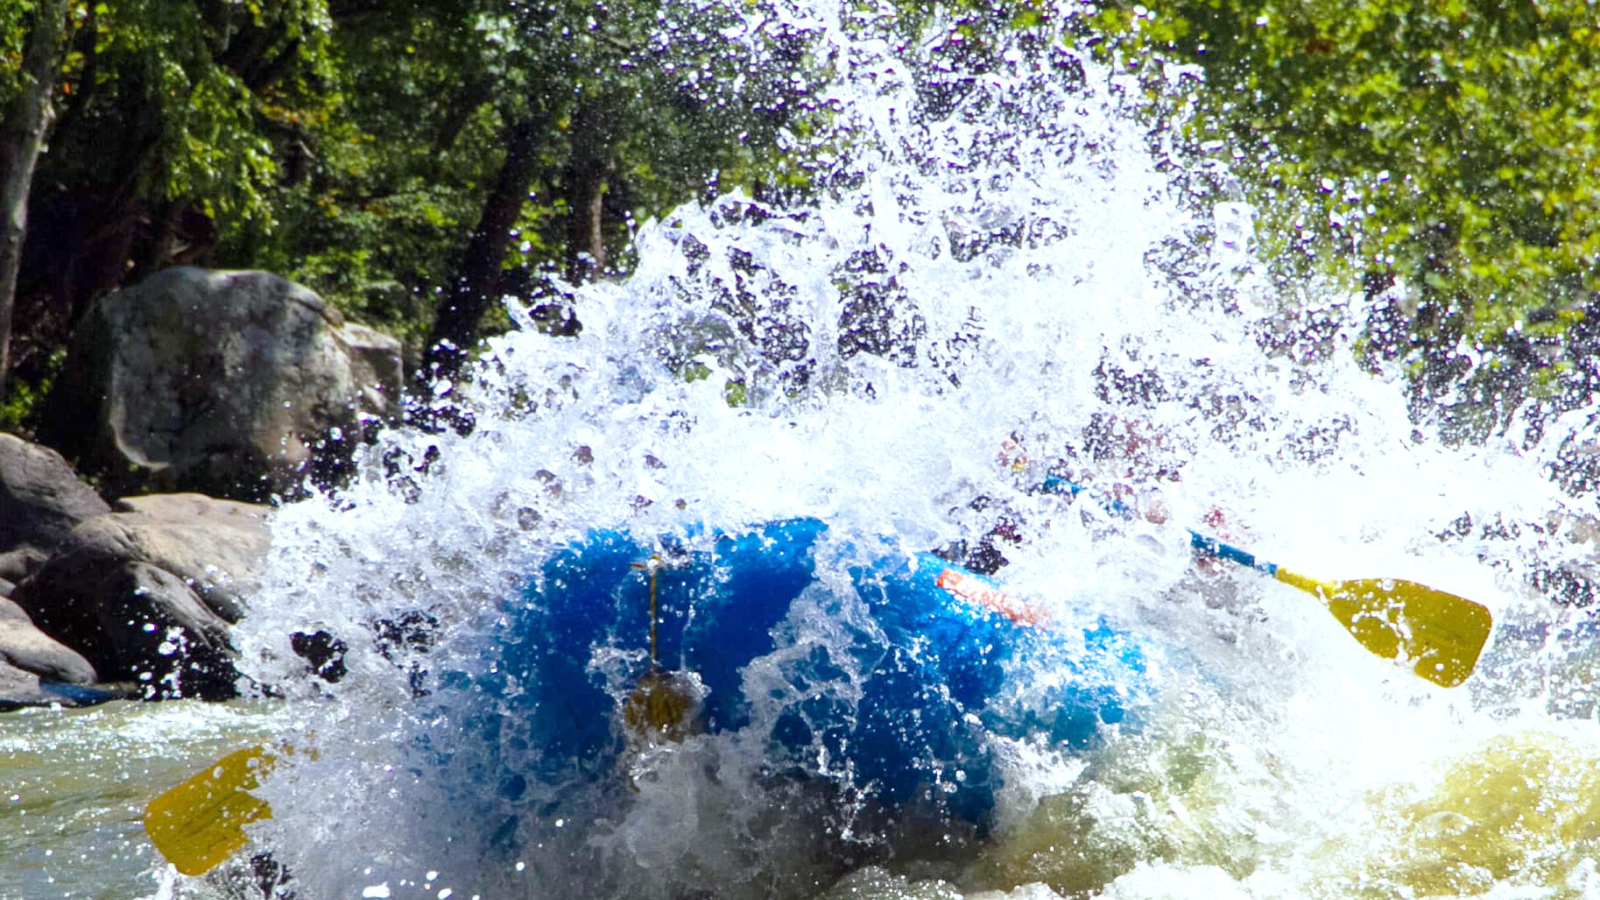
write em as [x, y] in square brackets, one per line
[923, 663]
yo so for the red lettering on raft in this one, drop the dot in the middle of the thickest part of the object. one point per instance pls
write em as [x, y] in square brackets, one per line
[974, 590]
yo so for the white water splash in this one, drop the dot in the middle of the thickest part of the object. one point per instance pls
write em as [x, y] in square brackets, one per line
[1015, 267]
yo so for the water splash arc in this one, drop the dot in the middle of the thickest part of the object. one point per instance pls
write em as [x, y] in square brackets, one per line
[994, 285]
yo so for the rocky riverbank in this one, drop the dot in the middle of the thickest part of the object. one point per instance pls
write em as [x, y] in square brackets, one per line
[131, 543]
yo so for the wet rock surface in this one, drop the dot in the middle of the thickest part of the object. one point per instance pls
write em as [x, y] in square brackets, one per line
[146, 593]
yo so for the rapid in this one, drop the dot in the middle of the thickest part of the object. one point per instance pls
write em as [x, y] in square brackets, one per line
[1004, 276]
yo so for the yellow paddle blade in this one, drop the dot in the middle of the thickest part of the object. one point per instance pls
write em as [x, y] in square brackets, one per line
[1439, 635]
[201, 822]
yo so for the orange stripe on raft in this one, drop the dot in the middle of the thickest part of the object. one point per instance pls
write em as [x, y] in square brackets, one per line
[974, 590]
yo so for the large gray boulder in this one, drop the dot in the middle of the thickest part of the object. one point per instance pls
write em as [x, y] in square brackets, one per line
[233, 384]
[147, 593]
[41, 500]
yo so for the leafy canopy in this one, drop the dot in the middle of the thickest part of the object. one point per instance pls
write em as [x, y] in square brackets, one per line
[1450, 146]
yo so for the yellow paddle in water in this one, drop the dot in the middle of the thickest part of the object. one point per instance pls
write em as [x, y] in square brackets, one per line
[201, 822]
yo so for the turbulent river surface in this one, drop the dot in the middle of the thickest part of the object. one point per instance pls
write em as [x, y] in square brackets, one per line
[77, 782]
[1004, 280]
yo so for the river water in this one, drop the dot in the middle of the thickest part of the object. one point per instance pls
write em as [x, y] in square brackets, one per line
[1005, 279]
[77, 782]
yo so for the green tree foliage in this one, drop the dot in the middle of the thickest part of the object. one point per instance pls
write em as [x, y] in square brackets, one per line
[1449, 146]
[404, 160]
[382, 189]
[483, 147]
[414, 162]
[174, 122]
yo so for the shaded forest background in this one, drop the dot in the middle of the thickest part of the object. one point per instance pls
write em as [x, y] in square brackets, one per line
[415, 161]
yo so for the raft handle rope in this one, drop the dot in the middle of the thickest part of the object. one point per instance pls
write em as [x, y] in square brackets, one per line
[652, 565]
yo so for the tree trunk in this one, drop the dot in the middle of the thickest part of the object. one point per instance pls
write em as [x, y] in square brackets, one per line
[476, 285]
[21, 137]
[583, 186]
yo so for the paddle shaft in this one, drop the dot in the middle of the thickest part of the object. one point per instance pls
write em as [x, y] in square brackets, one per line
[1210, 546]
